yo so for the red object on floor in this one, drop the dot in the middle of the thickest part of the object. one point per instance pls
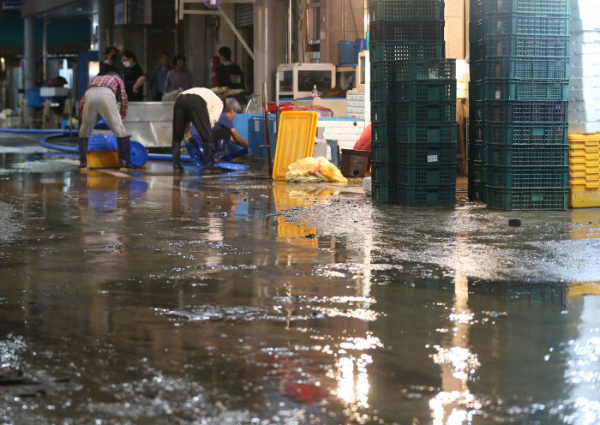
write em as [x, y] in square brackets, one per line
[364, 141]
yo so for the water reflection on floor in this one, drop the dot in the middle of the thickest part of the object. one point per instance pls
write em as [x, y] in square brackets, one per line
[143, 297]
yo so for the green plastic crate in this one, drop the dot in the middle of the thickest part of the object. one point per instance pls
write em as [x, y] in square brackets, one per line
[478, 151]
[416, 153]
[380, 191]
[425, 195]
[528, 155]
[516, 111]
[526, 177]
[521, 68]
[425, 112]
[426, 174]
[545, 46]
[526, 90]
[383, 111]
[380, 151]
[427, 70]
[407, 30]
[406, 50]
[380, 171]
[525, 23]
[538, 133]
[477, 191]
[527, 199]
[382, 72]
[383, 131]
[479, 171]
[425, 91]
[440, 132]
[407, 10]
[525, 6]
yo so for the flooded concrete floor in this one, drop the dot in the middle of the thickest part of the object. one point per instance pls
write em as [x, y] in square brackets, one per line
[147, 298]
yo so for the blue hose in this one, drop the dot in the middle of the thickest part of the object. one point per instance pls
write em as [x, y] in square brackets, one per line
[49, 145]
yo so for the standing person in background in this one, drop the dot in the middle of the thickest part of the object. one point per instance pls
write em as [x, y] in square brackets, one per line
[201, 107]
[134, 77]
[179, 78]
[102, 98]
[110, 59]
[229, 74]
[158, 78]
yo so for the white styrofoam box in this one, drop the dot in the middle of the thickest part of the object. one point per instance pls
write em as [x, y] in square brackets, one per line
[583, 83]
[583, 127]
[584, 48]
[589, 71]
[589, 95]
[345, 131]
[367, 185]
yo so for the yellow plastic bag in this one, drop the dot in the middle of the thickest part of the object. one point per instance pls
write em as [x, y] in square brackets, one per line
[314, 169]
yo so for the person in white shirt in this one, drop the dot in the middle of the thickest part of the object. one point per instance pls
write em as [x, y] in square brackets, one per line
[201, 107]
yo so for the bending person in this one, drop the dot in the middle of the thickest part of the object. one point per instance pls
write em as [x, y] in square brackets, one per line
[100, 99]
[224, 128]
[201, 107]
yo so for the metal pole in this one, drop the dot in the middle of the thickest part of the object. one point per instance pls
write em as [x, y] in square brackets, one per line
[265, 40]
[290, 36]
[267, 132]
[29, 65]
[45, 50]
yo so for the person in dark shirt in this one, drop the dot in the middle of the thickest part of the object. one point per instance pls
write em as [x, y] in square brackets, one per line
[229, 74]
[224, 128]
[134, 77]
[158, 77]
[110, 59]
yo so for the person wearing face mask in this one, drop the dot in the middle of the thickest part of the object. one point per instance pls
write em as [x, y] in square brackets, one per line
[134, 77]
[110, 59]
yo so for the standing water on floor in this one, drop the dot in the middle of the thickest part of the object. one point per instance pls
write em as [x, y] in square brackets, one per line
[146, 298]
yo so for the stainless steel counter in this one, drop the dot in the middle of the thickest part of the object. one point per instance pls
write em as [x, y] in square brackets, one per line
[150, 123]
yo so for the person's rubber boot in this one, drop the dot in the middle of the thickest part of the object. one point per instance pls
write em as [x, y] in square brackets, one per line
[83, 146]
[125, 152]
[209, 157]
[176, 152]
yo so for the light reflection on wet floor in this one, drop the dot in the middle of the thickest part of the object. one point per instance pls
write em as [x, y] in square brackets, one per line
[147, 297]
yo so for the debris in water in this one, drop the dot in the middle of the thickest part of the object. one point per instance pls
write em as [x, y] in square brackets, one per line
[514, 222]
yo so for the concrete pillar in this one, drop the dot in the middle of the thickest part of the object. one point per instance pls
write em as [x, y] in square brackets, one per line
[104, 24]
[265, 49]
[29, 60]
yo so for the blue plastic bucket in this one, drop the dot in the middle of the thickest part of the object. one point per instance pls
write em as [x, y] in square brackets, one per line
[347, 52]
[359, 45]
[101, 125]
[102, 142]
[138, 154]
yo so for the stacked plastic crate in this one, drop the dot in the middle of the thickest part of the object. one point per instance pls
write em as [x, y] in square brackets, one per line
[518, 103]
[413, 104]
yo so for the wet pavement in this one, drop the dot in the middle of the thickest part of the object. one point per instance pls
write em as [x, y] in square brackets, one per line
[146, 298]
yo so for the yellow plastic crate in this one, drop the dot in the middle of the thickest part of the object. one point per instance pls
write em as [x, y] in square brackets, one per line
[103, 159]
[584, 170]
[295, 140]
